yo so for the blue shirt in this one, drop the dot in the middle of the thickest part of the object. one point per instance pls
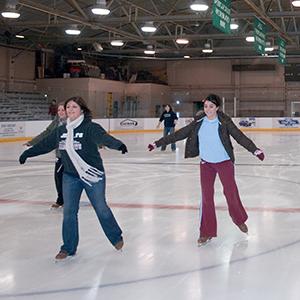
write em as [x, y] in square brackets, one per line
[211, 148]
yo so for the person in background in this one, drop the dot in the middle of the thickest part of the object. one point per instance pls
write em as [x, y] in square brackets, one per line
[78, 142]
[170, 119]
[59, 120]
[52, 109]
[208, 136]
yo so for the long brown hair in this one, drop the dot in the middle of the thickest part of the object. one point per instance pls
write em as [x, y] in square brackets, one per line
[171, 109]
[83, 106]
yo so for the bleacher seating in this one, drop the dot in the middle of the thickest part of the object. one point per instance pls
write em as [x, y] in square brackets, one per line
[23, 106]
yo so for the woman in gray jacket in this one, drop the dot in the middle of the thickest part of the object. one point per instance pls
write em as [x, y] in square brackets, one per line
[59, 120]
[208, 136]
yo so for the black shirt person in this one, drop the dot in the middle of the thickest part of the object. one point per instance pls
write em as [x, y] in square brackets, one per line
[170, 120]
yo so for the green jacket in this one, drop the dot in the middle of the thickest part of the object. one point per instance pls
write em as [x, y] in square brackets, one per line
[226, 129]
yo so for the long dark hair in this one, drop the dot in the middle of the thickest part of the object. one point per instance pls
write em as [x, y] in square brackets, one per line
[171, 109]
[214, 99]
[83, 106]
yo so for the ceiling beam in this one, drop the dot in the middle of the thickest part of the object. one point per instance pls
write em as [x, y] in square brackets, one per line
[227, 49]
[75, 5]
[282, 19]
[267, 19]
[77, 20]
[164, 18]
[216, 36]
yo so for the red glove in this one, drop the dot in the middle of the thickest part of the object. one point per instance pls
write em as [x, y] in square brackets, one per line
[260, 155]
[151, 147]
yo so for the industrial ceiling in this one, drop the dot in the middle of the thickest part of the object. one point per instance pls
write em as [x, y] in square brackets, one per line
[43, 24]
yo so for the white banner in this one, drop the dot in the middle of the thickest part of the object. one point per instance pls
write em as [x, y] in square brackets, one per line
[126, 124]
[286, 122]
[32, 128]
[11, 129]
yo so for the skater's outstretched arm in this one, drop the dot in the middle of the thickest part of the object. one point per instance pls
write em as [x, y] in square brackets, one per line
[47, 144]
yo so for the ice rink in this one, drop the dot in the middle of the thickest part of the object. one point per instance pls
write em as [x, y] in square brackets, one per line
[155, 197]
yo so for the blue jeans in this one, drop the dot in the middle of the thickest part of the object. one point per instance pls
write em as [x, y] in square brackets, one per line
[167, 131]
[72, 190]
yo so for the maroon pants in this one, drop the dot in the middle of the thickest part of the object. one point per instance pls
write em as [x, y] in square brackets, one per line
[208, 172]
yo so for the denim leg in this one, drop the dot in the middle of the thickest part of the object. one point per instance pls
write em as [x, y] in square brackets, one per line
[163, 148]
[171, 131]
[72, 190]
[96, 194]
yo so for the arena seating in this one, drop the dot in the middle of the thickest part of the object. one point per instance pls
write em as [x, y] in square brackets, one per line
[21, 106]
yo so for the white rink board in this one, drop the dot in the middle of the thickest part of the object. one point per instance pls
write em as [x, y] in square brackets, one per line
[32, 128]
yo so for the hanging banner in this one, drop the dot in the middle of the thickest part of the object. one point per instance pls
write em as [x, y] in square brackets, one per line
[281, 51]
[260, 30]
[221, 15]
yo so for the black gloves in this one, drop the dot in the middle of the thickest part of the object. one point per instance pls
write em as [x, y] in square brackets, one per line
[123, 148]
[22, 158]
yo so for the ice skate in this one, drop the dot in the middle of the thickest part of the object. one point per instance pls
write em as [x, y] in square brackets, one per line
[203, 240]
[243, 227]
[56, 206]
[61, 255]
[119, 245]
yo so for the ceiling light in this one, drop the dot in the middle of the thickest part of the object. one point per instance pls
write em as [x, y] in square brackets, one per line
[117, 43]
[10, 10]
[199, 5]
[234, 25]
[10, 14]
[179, 35]
[73, 30]
[100, 8]
[149, 50]
[208, 48]
[182, 41]
[149, 27]
[186, 56]
[269, 47]
[20, 36]
[79, 49]
[296, 3]
[250, 37]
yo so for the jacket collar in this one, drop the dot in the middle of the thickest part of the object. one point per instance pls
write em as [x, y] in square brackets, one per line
[220, 114]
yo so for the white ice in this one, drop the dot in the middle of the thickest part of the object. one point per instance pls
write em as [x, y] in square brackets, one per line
[155, 198]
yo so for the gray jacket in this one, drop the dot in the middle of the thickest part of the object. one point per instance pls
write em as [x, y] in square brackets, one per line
[226, 129]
